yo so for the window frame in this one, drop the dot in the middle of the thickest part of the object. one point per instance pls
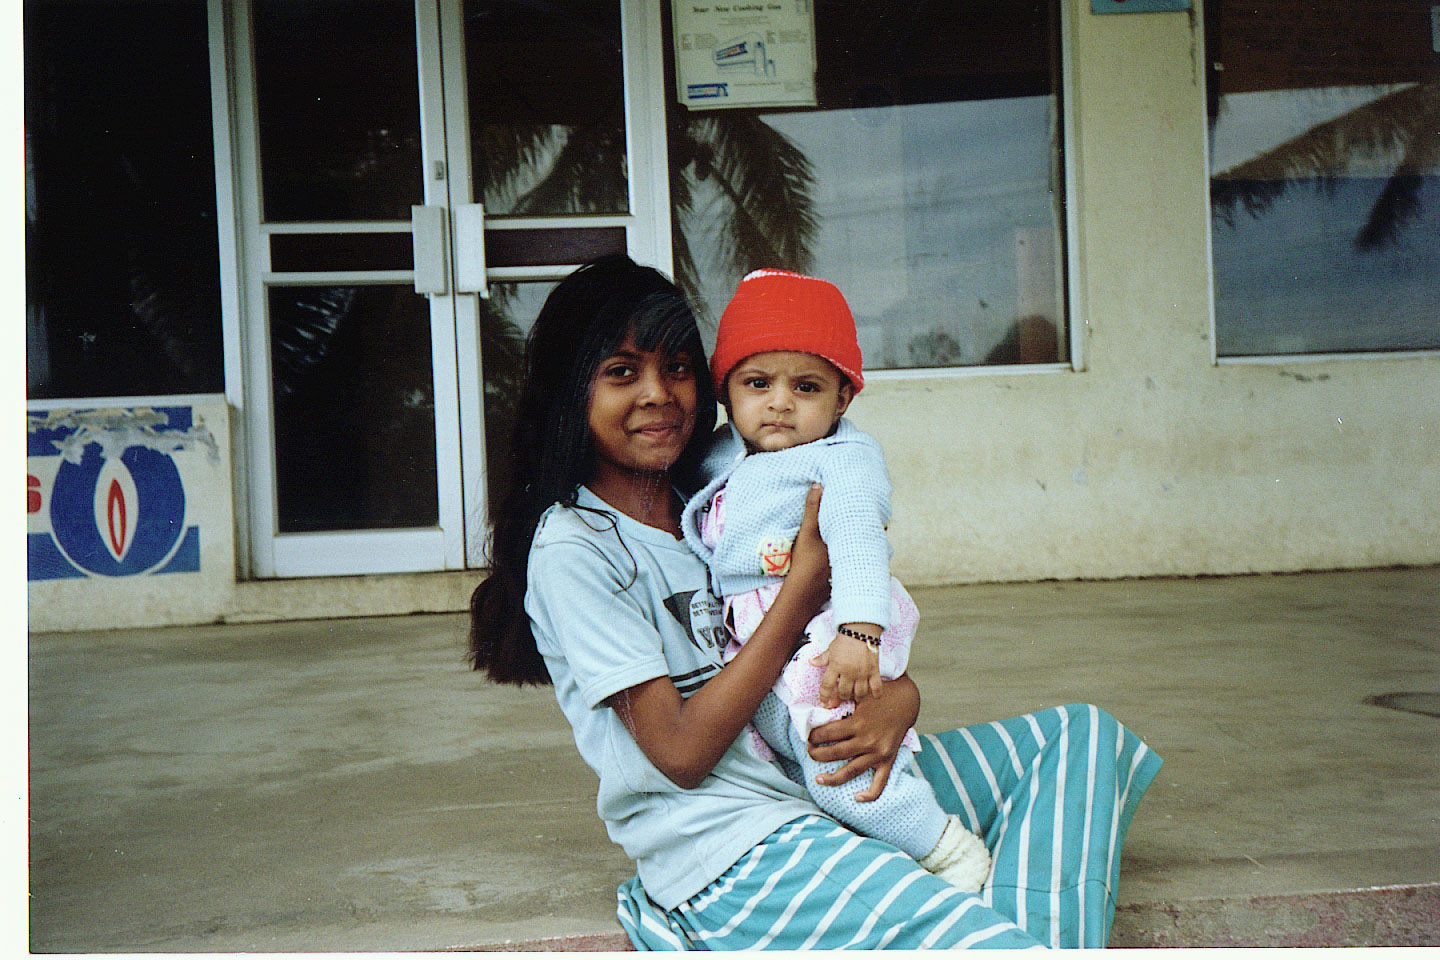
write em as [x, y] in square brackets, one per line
[1071, 222]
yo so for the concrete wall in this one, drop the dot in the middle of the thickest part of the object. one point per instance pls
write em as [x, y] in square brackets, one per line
[1155, 460]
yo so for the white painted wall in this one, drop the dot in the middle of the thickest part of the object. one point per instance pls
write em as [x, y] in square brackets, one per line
[1155, 460]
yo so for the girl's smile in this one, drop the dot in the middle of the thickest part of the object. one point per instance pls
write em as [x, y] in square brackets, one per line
[660, 431]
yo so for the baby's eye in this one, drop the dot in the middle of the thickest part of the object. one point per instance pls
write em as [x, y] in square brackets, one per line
[757, 383]
[805, 387]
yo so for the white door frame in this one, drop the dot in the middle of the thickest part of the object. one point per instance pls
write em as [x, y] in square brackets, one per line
[276, 554]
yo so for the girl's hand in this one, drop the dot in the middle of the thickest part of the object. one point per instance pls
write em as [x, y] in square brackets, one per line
[869, 738]
[852, 668]
[809, 574]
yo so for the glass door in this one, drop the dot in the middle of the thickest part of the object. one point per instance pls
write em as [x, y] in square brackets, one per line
[415, 176]
[559, 157]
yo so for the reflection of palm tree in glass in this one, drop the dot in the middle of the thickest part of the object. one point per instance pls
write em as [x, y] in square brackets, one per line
[502, 348]
[762, 176]
[1404, 124]
[765, 180]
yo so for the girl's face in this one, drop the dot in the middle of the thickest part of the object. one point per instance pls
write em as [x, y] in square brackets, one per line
[642, 411]
[782, 399]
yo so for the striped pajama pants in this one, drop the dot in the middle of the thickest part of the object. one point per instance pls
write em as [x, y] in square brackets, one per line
[1051, 793]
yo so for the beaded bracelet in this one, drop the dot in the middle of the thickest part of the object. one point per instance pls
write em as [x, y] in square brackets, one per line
[871, 641]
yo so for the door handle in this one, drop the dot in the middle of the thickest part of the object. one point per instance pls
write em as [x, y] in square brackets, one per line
[470, 249]
[427, 237]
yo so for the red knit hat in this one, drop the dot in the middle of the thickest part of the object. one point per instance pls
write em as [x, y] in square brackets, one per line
[780, 310]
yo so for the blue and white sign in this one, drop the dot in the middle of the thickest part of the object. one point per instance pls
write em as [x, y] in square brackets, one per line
[106, 491]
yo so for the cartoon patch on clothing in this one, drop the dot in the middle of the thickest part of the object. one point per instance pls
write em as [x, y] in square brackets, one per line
[775, 555]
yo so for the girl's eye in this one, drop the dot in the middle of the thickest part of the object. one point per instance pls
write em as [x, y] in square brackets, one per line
[680, 368]
[620, 371]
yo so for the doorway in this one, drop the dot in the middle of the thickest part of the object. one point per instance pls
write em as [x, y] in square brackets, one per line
[413, 178]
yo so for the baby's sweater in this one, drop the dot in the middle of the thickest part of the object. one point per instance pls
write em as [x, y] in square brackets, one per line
[765, 499]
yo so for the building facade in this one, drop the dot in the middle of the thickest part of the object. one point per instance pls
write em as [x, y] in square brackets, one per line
[1147, 287]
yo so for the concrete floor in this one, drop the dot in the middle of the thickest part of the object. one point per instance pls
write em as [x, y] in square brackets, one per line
[349, 785]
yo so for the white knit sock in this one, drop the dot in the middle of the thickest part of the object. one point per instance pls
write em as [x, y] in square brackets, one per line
[959, 857]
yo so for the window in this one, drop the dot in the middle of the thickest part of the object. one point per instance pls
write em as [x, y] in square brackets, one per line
[122, 263]
[926, 182]
[1325, 175]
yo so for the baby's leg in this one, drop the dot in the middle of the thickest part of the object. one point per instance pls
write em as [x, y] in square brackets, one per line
[771, 720]
[906, 815]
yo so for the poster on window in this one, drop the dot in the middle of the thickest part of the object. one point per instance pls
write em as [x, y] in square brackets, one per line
[745, 54]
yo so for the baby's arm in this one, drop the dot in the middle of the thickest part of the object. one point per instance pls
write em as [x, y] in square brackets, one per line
[852, 521]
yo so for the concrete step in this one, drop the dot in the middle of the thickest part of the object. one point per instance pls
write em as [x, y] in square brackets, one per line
[1394, 916]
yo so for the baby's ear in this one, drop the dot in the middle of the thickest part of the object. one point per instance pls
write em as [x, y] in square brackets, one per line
[846, 394]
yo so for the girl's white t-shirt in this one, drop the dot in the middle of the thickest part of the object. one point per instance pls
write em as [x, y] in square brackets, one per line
[613, 603]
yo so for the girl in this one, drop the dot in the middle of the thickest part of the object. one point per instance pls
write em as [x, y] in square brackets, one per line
[592, 590]
[787, 364]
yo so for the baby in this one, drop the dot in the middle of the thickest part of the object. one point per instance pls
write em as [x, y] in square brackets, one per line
[786, 366]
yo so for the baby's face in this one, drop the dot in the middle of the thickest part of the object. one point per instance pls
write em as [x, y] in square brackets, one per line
[784, 398]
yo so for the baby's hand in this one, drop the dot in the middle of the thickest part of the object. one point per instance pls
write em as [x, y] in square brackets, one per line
[852, 668]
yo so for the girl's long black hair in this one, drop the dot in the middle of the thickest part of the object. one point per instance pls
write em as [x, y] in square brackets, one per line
[584, 320]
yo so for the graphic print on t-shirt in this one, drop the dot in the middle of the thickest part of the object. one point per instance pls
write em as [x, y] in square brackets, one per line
[697, 611]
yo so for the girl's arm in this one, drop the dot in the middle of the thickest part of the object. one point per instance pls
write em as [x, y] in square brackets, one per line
[869, 738]
[685, 738]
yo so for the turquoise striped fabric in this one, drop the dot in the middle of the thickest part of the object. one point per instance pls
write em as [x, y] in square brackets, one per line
[1052, 793]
